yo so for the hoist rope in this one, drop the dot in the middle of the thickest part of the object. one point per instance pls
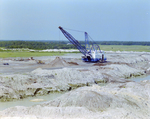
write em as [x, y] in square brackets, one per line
[73, 30]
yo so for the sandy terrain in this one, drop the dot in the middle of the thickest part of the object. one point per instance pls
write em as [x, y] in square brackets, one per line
[85, 98]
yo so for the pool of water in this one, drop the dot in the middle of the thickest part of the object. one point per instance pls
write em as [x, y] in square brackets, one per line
[141, 78]
[27, 101]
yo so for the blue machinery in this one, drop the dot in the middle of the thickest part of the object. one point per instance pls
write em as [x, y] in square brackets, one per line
[92, 53]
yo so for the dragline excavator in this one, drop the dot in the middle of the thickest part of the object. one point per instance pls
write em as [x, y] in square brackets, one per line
[91, 52]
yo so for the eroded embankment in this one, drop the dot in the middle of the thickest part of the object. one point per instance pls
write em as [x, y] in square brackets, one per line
[120, 98]
[44, 81]
[114, 101]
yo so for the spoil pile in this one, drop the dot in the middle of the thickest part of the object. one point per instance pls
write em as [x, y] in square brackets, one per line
[118, 99]
[109, 102]
[60, 62]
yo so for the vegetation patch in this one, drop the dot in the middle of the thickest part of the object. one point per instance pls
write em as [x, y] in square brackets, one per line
[28, 54]
[138, 48]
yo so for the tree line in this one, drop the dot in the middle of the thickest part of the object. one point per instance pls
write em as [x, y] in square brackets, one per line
[40, 45]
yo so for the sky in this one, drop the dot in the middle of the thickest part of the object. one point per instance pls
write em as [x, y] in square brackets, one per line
[103, 20]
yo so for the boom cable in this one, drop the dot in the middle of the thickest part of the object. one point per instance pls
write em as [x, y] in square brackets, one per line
[83, 32]
[74, 30]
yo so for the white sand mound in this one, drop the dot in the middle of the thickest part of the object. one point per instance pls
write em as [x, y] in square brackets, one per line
[42, 81]
[120, 70]
[100, 98]
[83, 97]
[110, 102]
